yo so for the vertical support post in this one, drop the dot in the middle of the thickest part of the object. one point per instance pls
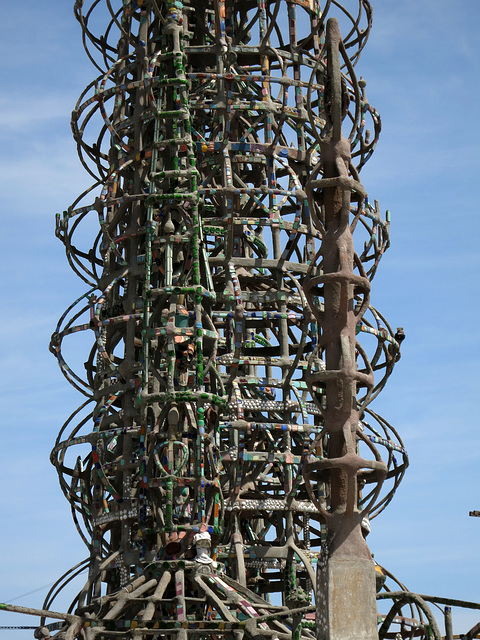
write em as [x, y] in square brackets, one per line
[346, 598]
[448, 623]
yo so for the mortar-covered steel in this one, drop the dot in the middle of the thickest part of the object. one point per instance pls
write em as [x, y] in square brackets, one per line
[226, 445]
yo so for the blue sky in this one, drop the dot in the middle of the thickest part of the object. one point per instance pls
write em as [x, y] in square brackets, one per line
[422, 69]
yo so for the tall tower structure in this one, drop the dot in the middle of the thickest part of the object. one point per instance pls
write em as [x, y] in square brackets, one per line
[225, 446]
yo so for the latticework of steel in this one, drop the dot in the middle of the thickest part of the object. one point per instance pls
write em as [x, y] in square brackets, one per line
[232, 446]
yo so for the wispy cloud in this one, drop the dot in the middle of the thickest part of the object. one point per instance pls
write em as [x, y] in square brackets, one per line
[19, 112]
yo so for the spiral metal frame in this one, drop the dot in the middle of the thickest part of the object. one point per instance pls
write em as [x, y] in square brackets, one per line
[227, 388]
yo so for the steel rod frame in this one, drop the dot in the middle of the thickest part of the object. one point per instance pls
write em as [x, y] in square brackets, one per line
[232, 446]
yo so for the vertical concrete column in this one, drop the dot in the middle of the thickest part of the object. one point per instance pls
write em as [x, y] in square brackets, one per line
[346, 604]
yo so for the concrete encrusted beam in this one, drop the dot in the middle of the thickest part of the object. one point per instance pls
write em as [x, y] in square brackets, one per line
[345, 595]
[225, 445]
